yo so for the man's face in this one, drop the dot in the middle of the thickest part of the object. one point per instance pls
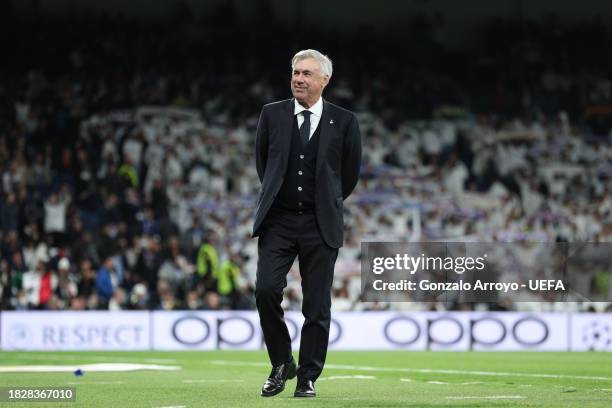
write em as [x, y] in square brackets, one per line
[307, 82]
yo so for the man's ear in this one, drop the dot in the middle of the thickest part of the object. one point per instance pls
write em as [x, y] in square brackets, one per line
[325, 80]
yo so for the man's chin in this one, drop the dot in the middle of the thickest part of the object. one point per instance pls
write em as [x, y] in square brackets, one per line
[301, 98]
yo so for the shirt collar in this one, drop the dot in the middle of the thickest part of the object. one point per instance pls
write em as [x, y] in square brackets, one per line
[316, 109]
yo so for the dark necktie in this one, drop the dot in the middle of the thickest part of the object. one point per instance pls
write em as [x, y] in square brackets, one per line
[305, 128]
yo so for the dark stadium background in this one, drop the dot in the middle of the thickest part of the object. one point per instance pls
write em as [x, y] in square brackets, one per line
[103, 206]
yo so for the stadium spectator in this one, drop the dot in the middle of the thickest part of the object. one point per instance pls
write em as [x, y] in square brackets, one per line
[107, 281]
[55, 216]
[9, 219]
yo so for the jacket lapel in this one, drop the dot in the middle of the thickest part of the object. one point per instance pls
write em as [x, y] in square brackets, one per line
[323, 137]
[286, 129]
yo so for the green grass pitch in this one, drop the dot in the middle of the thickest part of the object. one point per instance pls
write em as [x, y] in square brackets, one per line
[351, 379]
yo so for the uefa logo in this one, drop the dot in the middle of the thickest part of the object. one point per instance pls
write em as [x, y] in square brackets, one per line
[597, 336]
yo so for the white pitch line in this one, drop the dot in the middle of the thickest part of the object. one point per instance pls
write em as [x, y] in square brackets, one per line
[437, 382]
[173, 406]
[99, 367]
[488, 397]
[25, 356]
[426, 371]
[348, 377]
[472, 383]
[405, 380]
[212, 381]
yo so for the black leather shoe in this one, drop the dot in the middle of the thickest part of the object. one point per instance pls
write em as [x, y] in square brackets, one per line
[279, 375]
[305, 388]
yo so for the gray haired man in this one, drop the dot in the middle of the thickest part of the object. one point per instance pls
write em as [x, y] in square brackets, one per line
[308, 155]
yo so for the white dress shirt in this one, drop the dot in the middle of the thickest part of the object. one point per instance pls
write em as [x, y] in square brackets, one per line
[316, 110]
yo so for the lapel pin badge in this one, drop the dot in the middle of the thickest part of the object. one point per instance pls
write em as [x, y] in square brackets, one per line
[331, 122]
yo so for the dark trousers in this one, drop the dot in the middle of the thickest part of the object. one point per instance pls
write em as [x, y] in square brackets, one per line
[284, 236]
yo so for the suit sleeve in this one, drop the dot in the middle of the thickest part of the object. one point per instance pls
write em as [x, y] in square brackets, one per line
[261, 144]
[351, 158]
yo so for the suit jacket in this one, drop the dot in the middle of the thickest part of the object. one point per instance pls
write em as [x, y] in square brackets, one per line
[337, 169]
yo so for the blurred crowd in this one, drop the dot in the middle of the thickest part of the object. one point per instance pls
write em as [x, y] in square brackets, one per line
[126, 153]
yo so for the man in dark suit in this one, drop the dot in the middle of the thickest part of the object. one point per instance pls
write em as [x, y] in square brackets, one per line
[308, 155]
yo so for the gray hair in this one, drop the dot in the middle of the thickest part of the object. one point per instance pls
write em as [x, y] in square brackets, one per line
[323, 60]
